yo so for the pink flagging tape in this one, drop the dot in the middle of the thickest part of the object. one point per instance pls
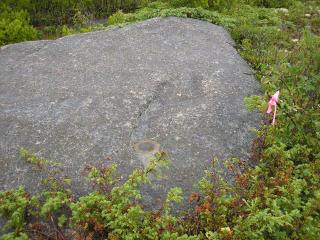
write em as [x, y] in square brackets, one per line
[273, 102]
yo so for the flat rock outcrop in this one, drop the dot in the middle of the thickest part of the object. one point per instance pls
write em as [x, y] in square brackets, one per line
[173, 84]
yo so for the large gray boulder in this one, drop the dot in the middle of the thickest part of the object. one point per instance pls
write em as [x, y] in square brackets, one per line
[173, 84]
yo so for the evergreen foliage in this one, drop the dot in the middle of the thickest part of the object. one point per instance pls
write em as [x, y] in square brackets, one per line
[14, 26]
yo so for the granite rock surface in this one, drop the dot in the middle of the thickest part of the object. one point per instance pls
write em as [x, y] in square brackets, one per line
[173, 84]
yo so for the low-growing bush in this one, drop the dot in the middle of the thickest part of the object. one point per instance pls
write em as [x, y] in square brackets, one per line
[271, 3]
[220, 5]
[14, 26]
[117, 18]
[112, 211]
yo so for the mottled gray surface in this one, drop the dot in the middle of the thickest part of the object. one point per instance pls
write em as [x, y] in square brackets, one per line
[80, 98]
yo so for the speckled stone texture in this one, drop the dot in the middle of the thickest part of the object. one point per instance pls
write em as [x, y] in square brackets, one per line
[176, 82]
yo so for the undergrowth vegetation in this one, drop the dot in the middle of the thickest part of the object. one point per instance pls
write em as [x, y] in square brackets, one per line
[277, 199]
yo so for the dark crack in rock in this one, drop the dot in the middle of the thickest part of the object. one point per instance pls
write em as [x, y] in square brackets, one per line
[75, 100]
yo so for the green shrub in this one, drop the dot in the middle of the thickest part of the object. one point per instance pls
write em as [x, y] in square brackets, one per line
[219, 5]
[200, 3]
[14, 26]
[184, 12]
[14, 207]
[79, 19]
[117, 18]
[222, 5]
[60, 12]
[271, 3]
[110, 211]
